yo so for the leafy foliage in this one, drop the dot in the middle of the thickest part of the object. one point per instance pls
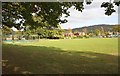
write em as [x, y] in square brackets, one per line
[42, 14]
[49, 13]
[6, 30]
[110, 6]
[116, 28]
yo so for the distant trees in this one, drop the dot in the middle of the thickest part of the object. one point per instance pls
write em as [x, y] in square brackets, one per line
[106, 34]
[116, 28]
[101, 32]
[97, 32]
[42, 33]
[69, 30]
[58, 33]
[85, 30]
[6, 31]
[50, 33]
[19, 34]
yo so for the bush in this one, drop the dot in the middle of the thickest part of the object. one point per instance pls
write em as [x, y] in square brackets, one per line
[80, 36]
[74, 37]
[62, 37]
[86, 36]
[53, 37]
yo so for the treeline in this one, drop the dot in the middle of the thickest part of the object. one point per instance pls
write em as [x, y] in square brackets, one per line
[101, 29]
[91, 28]
[44, 33]
[38, 33]
[58, 33]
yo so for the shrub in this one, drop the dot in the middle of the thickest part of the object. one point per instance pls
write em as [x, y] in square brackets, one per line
[80, 36]
[74, 37]
[86, 36]
[62, 37]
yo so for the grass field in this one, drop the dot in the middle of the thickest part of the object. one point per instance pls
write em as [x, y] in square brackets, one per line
[67, 56]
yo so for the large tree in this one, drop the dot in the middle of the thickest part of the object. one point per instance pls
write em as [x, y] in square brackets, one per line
[42, 14]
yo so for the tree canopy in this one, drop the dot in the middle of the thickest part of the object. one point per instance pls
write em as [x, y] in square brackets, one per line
[42, 14]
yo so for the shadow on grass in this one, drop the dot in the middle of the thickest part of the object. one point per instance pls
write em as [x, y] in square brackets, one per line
[51, 60]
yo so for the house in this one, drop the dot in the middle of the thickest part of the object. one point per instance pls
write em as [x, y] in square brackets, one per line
[79, 34]
[69, 34]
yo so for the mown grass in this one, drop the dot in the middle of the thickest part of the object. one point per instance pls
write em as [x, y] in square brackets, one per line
[78, 56]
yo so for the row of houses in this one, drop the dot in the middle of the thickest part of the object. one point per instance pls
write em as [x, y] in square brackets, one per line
[70, 34]
[110, 34]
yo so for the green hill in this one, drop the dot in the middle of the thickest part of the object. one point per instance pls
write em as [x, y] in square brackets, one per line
[106, 27]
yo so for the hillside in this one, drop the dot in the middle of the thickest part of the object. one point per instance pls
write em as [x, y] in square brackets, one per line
[93, 27]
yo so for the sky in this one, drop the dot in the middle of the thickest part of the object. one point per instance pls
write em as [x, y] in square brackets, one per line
[92, 14]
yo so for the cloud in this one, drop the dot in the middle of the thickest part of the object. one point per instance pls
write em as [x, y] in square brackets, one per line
[91, 13]
[93, 5]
